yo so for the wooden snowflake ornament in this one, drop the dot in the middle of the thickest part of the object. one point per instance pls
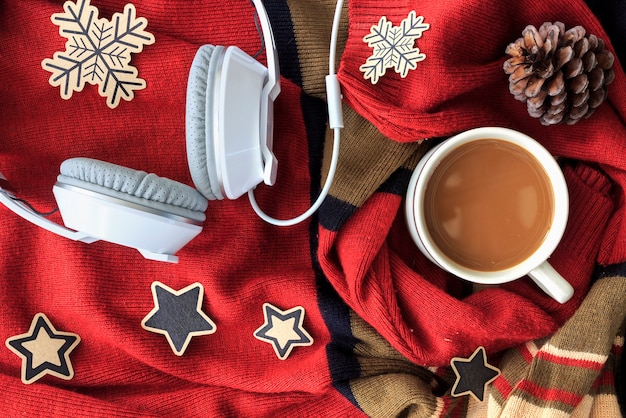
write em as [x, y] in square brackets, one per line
[394, 47]
[98, 51]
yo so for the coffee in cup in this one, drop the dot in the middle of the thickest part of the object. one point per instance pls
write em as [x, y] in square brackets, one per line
[490, 205]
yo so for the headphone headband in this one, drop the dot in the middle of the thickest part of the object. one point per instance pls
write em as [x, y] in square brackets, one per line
[272, 88]
[268, 95]
[19, 208]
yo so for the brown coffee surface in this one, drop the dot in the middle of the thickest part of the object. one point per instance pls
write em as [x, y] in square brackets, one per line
[488, 205]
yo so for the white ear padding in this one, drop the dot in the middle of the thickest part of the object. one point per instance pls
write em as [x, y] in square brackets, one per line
[223, 122]
[135, 186]
[154, 215]
[199, 121]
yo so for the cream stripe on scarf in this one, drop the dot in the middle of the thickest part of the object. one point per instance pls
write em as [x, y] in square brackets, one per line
[600, 316]
[532, 348]
[574, 355]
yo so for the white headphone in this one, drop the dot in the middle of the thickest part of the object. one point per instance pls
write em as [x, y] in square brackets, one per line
[229, 150]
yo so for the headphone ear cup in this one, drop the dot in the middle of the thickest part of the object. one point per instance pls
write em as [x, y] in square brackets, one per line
[134, 186]
[200, 119]
[155, 215]
[226, 114]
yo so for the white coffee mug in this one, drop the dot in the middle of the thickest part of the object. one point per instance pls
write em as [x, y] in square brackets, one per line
[536, 265]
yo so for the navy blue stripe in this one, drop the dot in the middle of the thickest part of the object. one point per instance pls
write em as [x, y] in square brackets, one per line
[609, 271]
[342, 362]
[398, 182]
[334, 212]
[284, 36]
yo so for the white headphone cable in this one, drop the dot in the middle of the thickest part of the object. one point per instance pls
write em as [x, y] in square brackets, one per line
[335, 117]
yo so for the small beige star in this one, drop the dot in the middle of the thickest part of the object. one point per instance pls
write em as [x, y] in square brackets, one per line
[44, 350]
[283, 329]
[283, 332]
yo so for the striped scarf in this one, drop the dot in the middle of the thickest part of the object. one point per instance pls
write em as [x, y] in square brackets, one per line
[561, 374]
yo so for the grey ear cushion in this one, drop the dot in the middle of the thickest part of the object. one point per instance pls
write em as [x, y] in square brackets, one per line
[199, 121]
[134, 186]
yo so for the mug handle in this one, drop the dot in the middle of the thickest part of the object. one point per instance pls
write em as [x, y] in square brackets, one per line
[551, 282]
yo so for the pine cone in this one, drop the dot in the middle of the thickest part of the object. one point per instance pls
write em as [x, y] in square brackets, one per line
[562, 76]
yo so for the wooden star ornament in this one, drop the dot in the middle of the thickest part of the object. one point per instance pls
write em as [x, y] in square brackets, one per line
[178, 315]
[283, 330]
[473, 374]
[44, 350]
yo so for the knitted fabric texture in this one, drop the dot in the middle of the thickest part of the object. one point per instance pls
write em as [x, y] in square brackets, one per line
[385, 321]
